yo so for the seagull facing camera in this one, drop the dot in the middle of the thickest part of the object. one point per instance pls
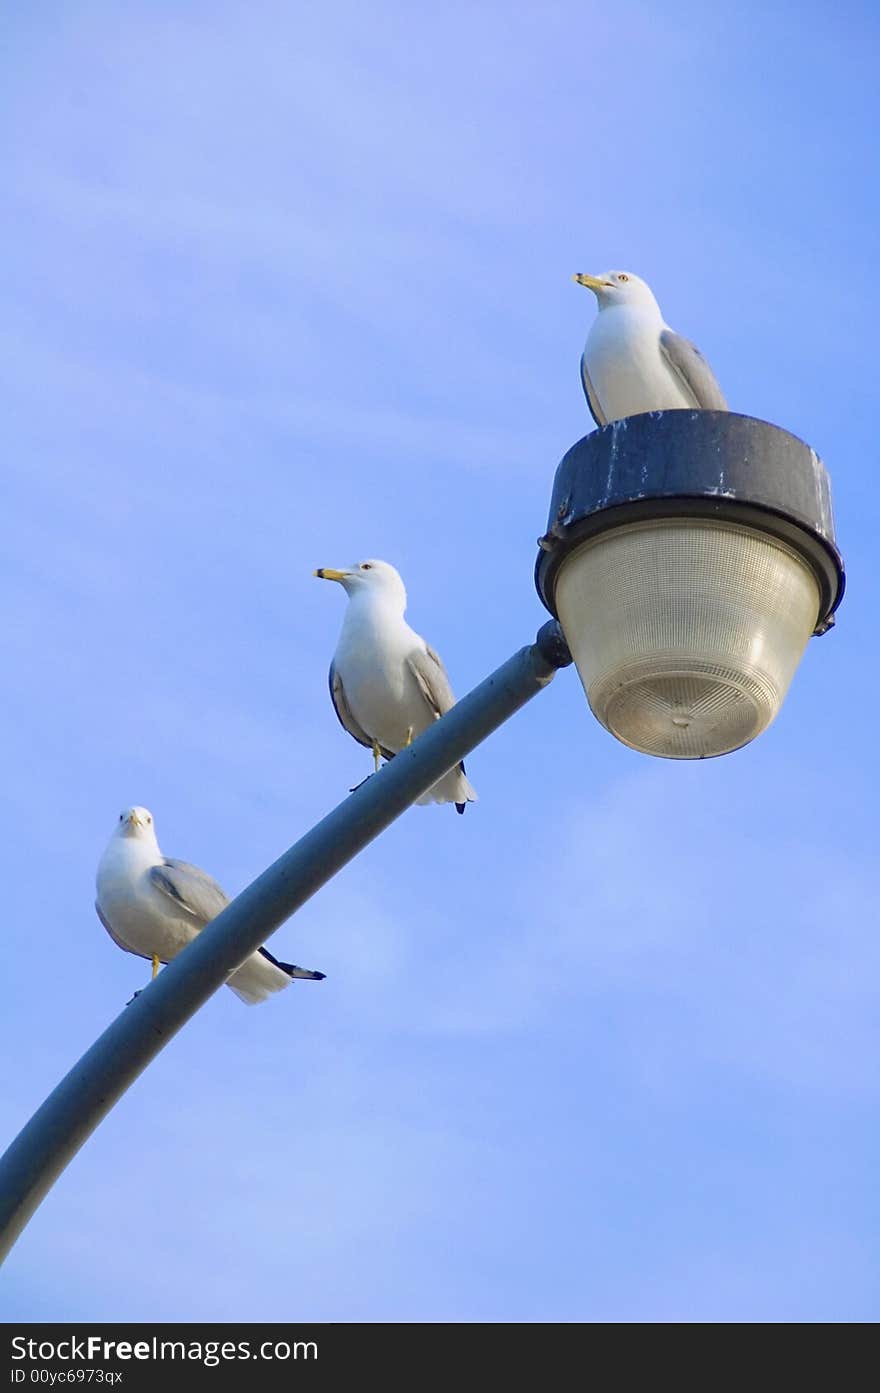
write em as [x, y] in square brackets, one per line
[633, 362]
[134, 821]
[153, 906]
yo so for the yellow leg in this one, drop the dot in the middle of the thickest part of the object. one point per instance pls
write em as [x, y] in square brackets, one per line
[155, 967]
[377, 756]
[409, 736]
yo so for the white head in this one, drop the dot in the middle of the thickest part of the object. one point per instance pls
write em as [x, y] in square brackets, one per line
[376, 579]
[619, 288]
[136, 822]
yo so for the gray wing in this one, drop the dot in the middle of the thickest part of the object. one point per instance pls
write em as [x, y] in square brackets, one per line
[190, 889]
[596, 411]
[692, 370]
[430, 674]
[344, 716]
[116, 939]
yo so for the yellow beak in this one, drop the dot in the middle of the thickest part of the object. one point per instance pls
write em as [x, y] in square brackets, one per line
[327, 573]
[591, 282]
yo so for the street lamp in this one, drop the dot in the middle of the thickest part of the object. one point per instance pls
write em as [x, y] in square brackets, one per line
[689, 557]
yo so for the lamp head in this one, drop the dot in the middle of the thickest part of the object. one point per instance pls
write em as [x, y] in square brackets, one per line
[690, 556]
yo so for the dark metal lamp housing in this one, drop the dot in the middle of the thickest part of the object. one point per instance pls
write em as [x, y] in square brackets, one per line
[689, 556]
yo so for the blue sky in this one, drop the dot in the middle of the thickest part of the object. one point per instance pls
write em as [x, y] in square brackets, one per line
[288, 285]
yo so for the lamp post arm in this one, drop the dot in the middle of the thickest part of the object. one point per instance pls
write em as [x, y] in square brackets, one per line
[82, 1099]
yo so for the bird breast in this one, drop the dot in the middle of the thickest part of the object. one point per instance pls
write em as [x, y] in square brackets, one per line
[134, 908]
[380, 689]
[627, 370]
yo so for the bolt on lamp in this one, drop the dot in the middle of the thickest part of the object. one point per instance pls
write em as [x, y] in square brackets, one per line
[689, 557]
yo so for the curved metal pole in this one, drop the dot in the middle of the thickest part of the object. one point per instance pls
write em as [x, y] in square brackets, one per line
[71, 1113]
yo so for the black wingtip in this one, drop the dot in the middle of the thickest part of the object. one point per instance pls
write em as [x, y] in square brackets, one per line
[302, 974]
[460, 807]
[293, 968]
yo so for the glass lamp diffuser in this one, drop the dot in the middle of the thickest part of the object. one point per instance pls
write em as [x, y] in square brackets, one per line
[686, 632]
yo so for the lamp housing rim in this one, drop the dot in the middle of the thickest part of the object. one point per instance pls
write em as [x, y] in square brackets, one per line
[718, 466]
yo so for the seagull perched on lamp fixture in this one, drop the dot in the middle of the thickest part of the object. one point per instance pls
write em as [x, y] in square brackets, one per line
[386, 683]
[153, 906]
[633, 362]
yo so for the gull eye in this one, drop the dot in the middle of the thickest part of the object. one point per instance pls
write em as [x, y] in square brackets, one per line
[149, 819]
[623, 276]
[121, 817]
[365, 566]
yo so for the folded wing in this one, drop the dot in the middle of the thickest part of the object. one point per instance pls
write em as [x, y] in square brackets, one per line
[690, 367]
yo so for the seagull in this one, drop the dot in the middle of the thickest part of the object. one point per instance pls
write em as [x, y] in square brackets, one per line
[386, 684]
[153, 906]
[633, 362]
